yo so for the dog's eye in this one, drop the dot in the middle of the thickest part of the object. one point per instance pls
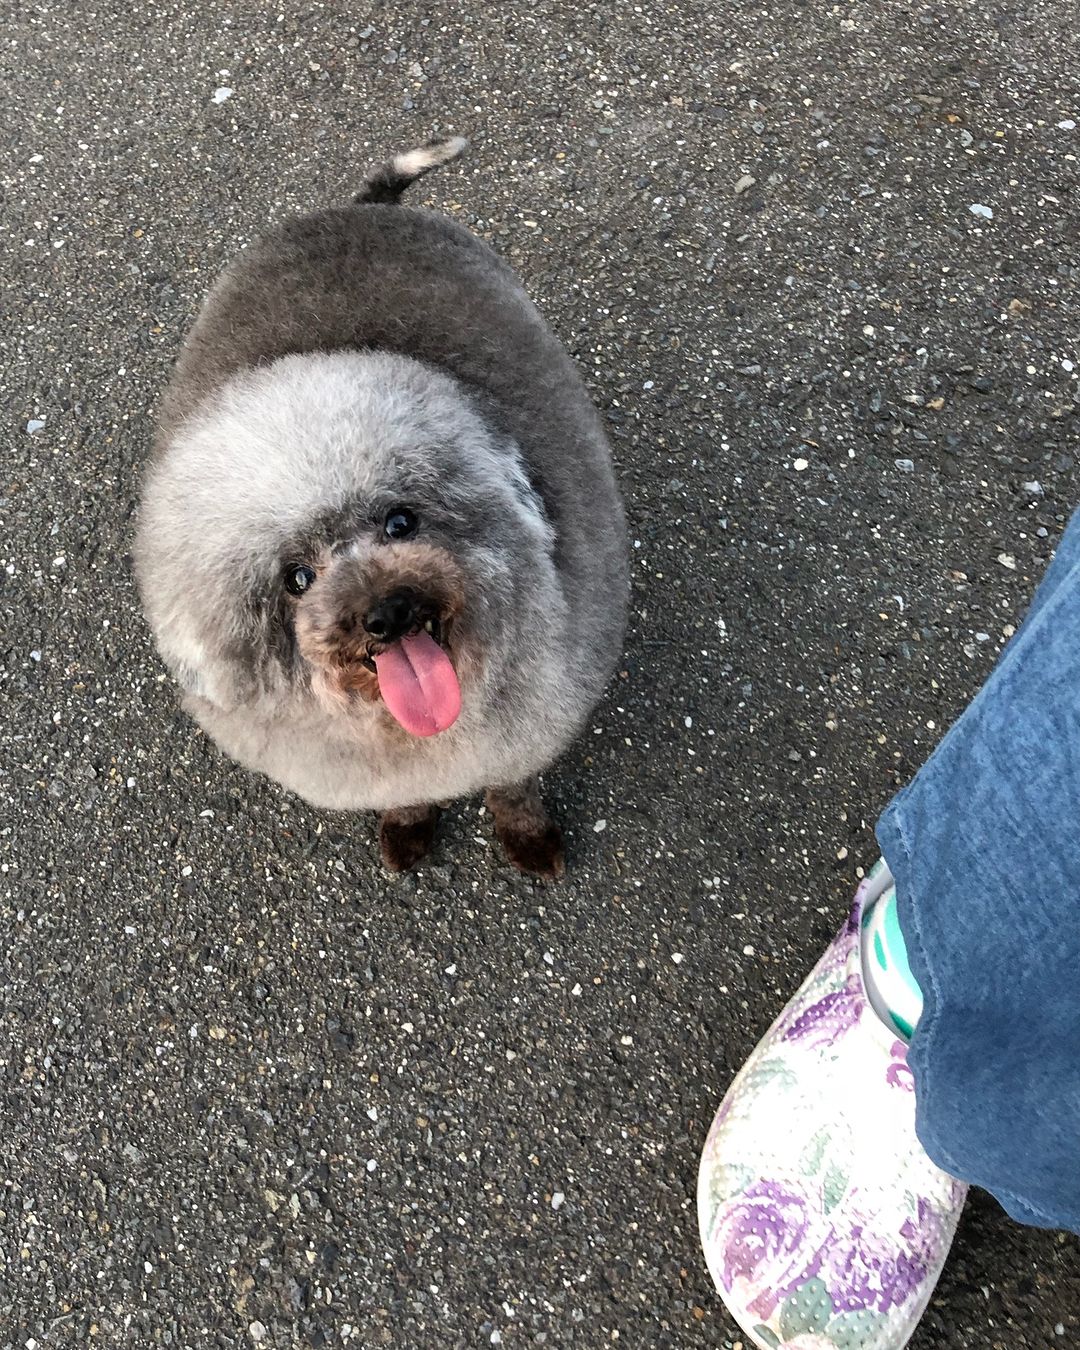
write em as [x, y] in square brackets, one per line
[400, 523]
[298, 578]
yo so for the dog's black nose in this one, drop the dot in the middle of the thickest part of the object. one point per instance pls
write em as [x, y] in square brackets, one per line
[392, 617]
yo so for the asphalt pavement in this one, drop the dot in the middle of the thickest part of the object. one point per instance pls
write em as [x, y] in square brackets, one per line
[819, 265]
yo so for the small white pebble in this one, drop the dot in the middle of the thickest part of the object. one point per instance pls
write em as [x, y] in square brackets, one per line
[371, 1164]
[748, 950]
[984, 212]
[557, 1200]
[221, 94]
[35, 425]
[549, 960]
[373, 1113]
[600, 827]
[1068, 366]
[576, 991]
[35, 656]
[257, 1332]
[451, 969]
[1007, 560]
[1066, 124]
[626, 1040]
[130, 783]
[800, 465]
[678, 958]
[841, 854]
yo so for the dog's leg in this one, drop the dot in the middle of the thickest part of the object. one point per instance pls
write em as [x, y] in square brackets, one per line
[406, 835]
[531, 839]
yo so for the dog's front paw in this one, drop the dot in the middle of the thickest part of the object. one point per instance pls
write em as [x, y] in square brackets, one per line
[530, 839]
[538, 853]
[406, 837]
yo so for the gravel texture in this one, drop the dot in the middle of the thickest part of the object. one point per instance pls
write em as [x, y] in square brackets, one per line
[819, 265]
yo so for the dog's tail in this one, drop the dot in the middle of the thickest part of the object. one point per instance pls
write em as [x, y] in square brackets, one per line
[389, 180]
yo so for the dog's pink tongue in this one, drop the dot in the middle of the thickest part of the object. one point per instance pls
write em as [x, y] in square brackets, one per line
[418, 685]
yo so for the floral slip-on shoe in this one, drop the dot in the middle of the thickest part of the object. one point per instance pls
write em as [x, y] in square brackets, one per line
[825, 1225]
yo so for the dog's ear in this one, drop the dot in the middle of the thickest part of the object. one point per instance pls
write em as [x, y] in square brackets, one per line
[219, 679]
[529, 495]
[222, 647]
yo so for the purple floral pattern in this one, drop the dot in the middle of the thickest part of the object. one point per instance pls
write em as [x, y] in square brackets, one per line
[864, 1269]
[824, 1022]
[757, 1238]
[899, 1074]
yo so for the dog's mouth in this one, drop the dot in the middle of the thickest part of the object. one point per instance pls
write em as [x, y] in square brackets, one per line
[437, 629]
[417, 680]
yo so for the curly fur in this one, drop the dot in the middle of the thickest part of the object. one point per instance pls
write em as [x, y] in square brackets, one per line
[352, 361]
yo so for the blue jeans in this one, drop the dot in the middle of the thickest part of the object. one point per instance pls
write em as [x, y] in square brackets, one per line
[985, 848]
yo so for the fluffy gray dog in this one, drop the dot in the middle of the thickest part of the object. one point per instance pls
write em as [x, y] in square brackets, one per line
[380, 542]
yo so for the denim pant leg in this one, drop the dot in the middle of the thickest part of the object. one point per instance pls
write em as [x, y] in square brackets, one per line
[984, 844]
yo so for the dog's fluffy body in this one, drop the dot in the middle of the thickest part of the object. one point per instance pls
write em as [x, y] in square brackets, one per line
[352, 361]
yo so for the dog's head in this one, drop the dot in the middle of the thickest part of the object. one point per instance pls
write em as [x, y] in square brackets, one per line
[346, 527]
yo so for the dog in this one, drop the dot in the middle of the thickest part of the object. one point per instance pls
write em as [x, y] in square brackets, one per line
[380, 542]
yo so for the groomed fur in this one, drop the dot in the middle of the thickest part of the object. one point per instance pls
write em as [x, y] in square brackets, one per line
[350, 362]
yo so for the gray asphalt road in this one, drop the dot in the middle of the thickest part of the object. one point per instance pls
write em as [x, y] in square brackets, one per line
[254, 1091]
